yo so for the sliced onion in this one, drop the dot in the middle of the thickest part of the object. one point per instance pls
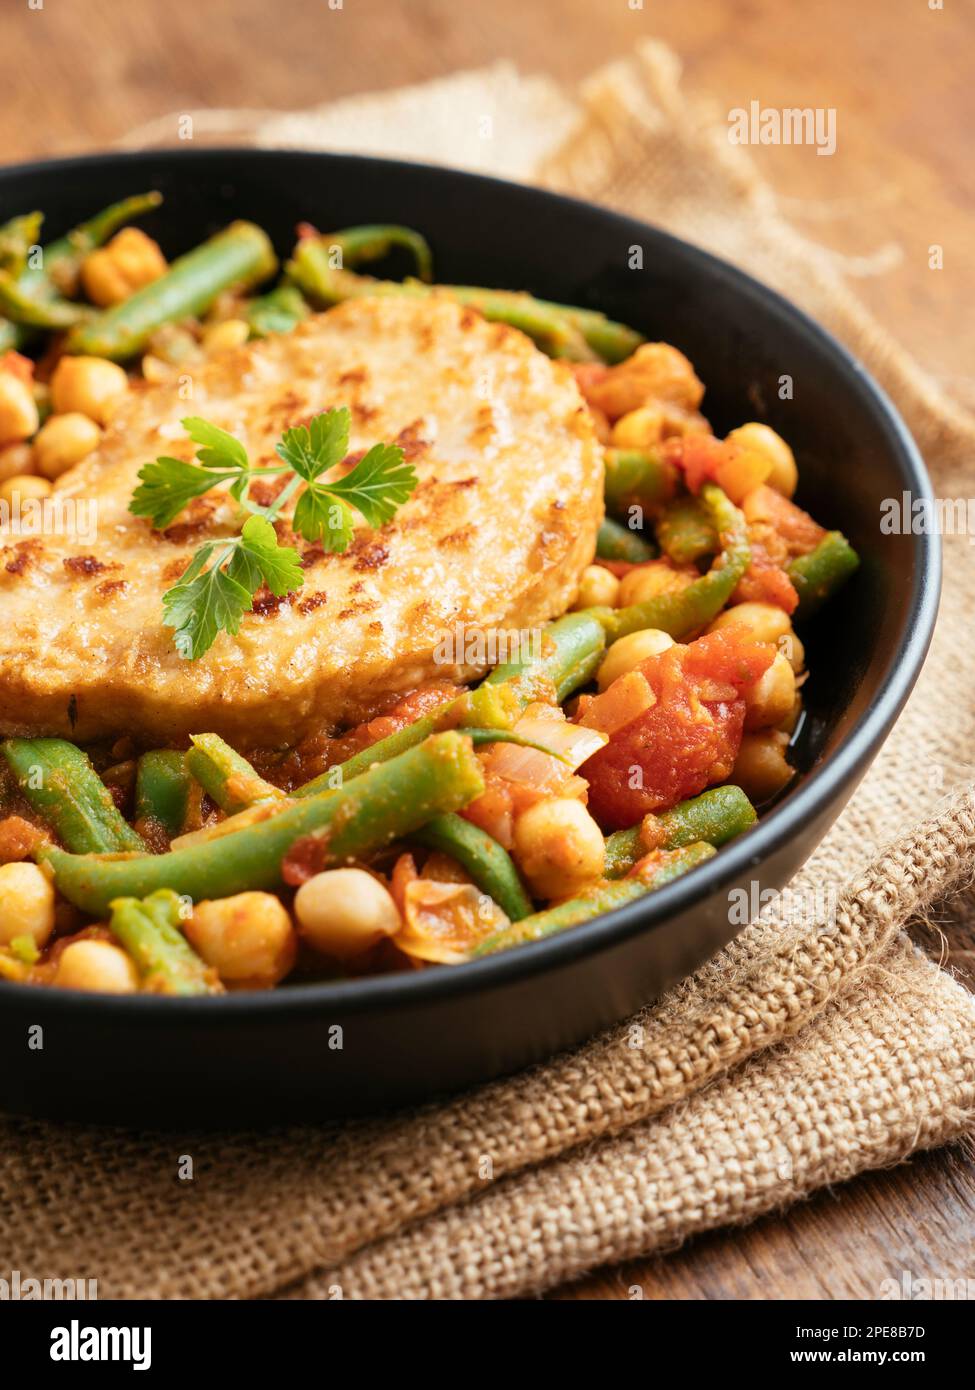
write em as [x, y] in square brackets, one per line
[443, 922]
[571, 745]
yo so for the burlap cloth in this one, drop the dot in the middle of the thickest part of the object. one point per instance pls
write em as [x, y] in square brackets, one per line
[800, 1056]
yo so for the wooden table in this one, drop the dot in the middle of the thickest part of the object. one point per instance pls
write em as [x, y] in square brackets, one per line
[78, 74]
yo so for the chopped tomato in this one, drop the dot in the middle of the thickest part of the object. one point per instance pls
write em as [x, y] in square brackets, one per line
[704, 459]
[766, 582]
[700, 456]
[684, 741]
[796, 527]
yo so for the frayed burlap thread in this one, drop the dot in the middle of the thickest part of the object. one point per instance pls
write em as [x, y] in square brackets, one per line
[803, 1054]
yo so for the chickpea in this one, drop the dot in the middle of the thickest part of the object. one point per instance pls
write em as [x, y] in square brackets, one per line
[649, 581]
[115, 271]
[15, 459]
[26, 903]
[655, 372]
[626, 654]
[18, 409]
[248, 939]
[639, 428]
[770, 699]
[760, 439]
[559, 847]
[764, 622]
[63, 441]
[25, 486]
[597, 587]
[791, 647]
[96, 965]
[220, 337]
[342, 912]
[154, 369]
[90, 385]
[760, 768]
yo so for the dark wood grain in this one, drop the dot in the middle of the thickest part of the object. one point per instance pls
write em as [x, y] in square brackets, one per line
[78, 74]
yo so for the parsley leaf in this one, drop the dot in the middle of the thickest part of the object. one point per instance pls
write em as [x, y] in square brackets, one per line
[314, 448]
[218, 585]
[220, 449]
[167, 486]
[378, 484]
[259, 559]
[210, 603]
[321, 517]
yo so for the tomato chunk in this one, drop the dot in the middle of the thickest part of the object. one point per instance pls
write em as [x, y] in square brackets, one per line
[686, 740]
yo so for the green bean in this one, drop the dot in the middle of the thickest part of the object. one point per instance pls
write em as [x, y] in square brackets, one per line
[685, 532]
[818, 575]
[60, 784]
[29, 295]
[162, 786]
[13, 336]
[605, 897]
[637, 478]
[680, 614]
[278, 311]
[384, 804]
[17, 237]
[150, 933]
[487, 862]
[572, 648]
[616, 542]
[611, 341]
[241, 255]
[61, 261]
[226, 777]
[716, 816]
[561, 330]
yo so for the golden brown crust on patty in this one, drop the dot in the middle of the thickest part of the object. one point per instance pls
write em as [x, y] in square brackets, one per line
[496, 535]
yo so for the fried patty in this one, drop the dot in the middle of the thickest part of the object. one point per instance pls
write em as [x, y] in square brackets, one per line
[495, 537]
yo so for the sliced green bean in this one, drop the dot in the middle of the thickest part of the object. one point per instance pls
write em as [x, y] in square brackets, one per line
[150, 933]
[716, 816]
[606, 897]
[58, 781]
[818, 575]
[683, 613]
[386, 803]
[572, 648]
[488, 863]
[685, 532]
[241, 255]
[581, 335]
[162, 786]
[616, 542]
[228, 779]
[278, 311]
[17, 236]
[61, 261]
[637, 478]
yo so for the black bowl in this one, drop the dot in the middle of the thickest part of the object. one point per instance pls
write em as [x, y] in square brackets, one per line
[315, 1051]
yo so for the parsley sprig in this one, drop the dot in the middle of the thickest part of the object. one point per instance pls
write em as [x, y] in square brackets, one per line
[218, 586]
